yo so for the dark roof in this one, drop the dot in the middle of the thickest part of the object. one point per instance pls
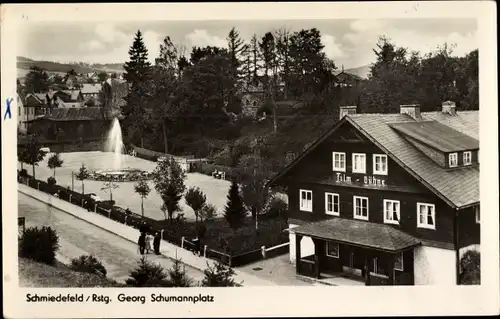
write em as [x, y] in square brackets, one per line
[359, 233]
[436, 135]
[458, 187]
[72, 114]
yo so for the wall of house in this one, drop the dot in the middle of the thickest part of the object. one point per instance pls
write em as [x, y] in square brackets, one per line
[434, 266]
[469, 231]
[306, 246]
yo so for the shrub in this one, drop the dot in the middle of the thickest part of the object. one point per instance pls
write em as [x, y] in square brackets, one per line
[51, 181]
[471, 268]
[177, 276]
[208, 212]
[39, 244]
[23, 173]
[88, 264]
[219, 275]
[147, 274]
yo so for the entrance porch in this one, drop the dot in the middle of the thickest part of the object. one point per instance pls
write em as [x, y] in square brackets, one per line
[369, 253]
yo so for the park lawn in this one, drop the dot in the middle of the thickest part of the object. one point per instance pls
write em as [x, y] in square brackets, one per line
[35, 274]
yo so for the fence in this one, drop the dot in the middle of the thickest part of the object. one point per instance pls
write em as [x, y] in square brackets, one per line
[118, 214]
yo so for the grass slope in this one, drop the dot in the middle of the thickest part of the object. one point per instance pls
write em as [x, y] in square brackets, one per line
[34, 274]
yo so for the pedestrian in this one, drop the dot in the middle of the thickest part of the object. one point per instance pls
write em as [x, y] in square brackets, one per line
[197, 246]
[142, 243]
[149, 238]
[156, 243]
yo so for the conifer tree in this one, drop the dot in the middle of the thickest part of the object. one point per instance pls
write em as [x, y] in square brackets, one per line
[147, 274]
[234, 212]
[177, 276]
[137, 73]
[219, 275]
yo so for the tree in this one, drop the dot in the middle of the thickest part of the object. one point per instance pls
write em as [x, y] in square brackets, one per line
[82, 175]
[195, 199]
[177, 276]
[168, 178]
[102, 76]
[278, 208]
[88, 263]
[147, 274]
[54, 162]
[142, 188]
[33, 154]
[208, 212]
[267, 48]
[37, 80]
[137, 73]
[237, 51]
[470, 265]
[255, 192]
[282, 37]
[219, 275]
[108, 187]
[234, 211]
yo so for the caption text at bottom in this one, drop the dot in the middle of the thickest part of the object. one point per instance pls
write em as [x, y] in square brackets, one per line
[122, 298]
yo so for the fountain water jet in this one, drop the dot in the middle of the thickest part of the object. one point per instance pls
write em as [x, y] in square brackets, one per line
[115, 144]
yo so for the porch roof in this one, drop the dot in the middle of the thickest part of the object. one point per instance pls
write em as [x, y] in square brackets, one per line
[359, 233]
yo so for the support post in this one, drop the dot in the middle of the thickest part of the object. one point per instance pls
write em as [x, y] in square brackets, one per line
[161, 232]
[317, 257]
[205, 251]
[125, 222]
[95, 208]
[38, 185]
[297, 252]
[182, 242]
[70, 198]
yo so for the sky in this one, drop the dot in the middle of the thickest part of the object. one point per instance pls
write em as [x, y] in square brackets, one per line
[348, 42]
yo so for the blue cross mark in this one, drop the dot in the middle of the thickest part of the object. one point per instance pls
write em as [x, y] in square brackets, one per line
[7, 111]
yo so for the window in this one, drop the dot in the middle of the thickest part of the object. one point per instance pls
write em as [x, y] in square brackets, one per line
[391, 211]
[453, 160]
[398, 262]
[306, 200]
[426, 216]
[332, 250]
[358, 163]
[360, 207]
[332, 204]
[478, 216]
[467, 158]
[379, 164]
[339, 162]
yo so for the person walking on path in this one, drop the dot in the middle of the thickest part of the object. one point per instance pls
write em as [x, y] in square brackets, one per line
[149, 239]
[142, 243]
[156, 243]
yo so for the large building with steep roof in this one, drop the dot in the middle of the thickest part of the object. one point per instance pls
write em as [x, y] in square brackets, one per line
[387, 199]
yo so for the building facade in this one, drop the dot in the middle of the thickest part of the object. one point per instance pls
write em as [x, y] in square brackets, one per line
[388, 199]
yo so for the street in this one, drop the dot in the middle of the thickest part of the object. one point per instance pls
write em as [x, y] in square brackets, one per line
[77, 237]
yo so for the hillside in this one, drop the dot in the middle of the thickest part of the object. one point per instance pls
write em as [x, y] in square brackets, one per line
[361, 71]
[24, 64]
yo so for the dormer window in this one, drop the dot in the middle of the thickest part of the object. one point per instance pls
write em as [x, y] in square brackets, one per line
[453, 160]
[467, 158]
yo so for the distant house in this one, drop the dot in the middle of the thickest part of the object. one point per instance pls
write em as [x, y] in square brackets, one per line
[92, 77]
[38, 104]
[70, 124]
[22, 115]
[345, 79]
[69, 98]
[75, 81]
[91, 90]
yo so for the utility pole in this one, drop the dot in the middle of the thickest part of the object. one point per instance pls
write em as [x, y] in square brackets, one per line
[72, 181]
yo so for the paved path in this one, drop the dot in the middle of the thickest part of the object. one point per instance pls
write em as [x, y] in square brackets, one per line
[132, 234]
[77, 237]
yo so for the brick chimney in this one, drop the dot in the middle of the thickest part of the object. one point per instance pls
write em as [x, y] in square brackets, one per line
[412, 110]
[448, 107]
[345, 110]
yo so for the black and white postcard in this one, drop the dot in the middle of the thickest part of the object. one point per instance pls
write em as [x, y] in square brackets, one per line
[314, 159]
